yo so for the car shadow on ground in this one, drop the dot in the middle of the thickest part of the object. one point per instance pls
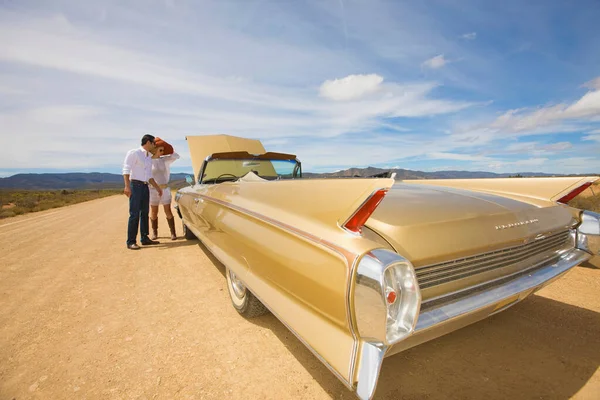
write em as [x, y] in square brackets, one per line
[540, 348]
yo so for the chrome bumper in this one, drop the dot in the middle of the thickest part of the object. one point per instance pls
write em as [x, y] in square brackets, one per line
[450, 316]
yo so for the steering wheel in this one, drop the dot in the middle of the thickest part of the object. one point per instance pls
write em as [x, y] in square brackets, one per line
[217, 178]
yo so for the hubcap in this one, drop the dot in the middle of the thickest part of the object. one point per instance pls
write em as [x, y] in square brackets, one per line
[238, 287]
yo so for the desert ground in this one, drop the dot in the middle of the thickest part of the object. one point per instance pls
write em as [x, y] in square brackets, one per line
[82, 317]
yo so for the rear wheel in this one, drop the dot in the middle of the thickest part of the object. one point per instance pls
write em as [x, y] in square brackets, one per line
[187, 233]
[242, 299]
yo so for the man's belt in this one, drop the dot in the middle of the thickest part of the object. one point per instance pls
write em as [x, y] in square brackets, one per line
[138, 181]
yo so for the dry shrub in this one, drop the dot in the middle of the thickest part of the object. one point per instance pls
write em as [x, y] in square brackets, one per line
[7, 214]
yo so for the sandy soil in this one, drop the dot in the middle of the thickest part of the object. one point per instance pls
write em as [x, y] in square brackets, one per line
[83, 317]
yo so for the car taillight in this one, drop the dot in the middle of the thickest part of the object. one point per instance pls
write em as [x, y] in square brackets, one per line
[358, 219]
[571, 195]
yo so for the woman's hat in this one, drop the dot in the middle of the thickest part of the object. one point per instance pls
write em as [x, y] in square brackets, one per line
[158, 142]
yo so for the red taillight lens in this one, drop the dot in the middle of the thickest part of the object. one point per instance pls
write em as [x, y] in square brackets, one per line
[361, 216]
[391, 297]
[573, 193]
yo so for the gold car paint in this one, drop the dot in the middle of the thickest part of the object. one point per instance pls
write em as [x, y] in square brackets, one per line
[279, 237]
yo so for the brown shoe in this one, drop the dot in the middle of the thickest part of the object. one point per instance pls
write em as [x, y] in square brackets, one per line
[133, 246]
[154, 223]
[171, 222]
[148, 242]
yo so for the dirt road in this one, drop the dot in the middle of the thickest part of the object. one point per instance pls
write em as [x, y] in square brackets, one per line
[83, 317]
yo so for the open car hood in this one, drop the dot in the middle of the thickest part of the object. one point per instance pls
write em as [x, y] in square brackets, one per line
[204, 146]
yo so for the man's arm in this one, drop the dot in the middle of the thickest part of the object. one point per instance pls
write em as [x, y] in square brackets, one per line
[156, 186]
[127, 164]
[127, 189]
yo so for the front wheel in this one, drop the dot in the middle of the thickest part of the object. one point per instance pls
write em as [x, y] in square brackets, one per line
[242, 299]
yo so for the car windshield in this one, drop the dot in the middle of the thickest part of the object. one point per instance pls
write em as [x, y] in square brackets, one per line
[222, 170]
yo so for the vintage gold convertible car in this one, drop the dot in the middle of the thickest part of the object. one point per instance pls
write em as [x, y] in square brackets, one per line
[361, 269]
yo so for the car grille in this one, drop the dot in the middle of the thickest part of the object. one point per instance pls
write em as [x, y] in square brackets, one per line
[437, 274]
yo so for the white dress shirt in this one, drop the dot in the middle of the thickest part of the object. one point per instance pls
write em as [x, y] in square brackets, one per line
[138, 164]
[161, 171]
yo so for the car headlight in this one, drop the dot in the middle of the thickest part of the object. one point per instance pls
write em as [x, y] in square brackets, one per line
[387, 298]
[588, 233]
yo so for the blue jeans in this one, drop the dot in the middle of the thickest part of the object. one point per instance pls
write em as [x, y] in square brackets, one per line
[139, 206]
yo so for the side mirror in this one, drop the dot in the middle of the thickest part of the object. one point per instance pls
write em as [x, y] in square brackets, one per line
[189, 179]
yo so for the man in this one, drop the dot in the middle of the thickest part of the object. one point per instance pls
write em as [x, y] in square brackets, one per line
[137, 174]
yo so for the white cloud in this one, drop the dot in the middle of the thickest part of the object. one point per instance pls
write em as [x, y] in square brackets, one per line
[525, 120]
[536, 148]
[593, 136]
[559, 118]
[352, 87]
[593, 84]
[435, 62]
[456, 156]
[469, 36]
[530, 162]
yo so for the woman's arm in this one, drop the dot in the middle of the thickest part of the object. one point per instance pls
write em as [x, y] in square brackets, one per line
[169, 159]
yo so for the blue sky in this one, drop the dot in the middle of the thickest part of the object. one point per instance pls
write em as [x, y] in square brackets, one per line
[434, 85]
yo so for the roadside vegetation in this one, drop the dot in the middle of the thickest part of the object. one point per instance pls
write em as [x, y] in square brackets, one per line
[17, 202]
[589, 199]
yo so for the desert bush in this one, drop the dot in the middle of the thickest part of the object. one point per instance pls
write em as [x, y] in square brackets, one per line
[26, 202]
[31, 201]
[591, 203]
[7, 214]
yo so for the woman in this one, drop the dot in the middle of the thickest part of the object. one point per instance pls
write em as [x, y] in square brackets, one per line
[162, 158]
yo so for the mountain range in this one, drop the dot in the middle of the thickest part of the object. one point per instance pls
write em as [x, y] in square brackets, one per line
[98, 180]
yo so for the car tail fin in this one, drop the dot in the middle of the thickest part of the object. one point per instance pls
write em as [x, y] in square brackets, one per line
[557, 189]
[573, 193]
[355, 223]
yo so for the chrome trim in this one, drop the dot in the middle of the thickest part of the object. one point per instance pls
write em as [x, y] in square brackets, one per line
[517, 224]
[464, 292]
[523, 284]
[371, 358]
[537, 249]
[467, 310]
[370, 306]
[351, 321]
[588, 233]
[239, 288]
